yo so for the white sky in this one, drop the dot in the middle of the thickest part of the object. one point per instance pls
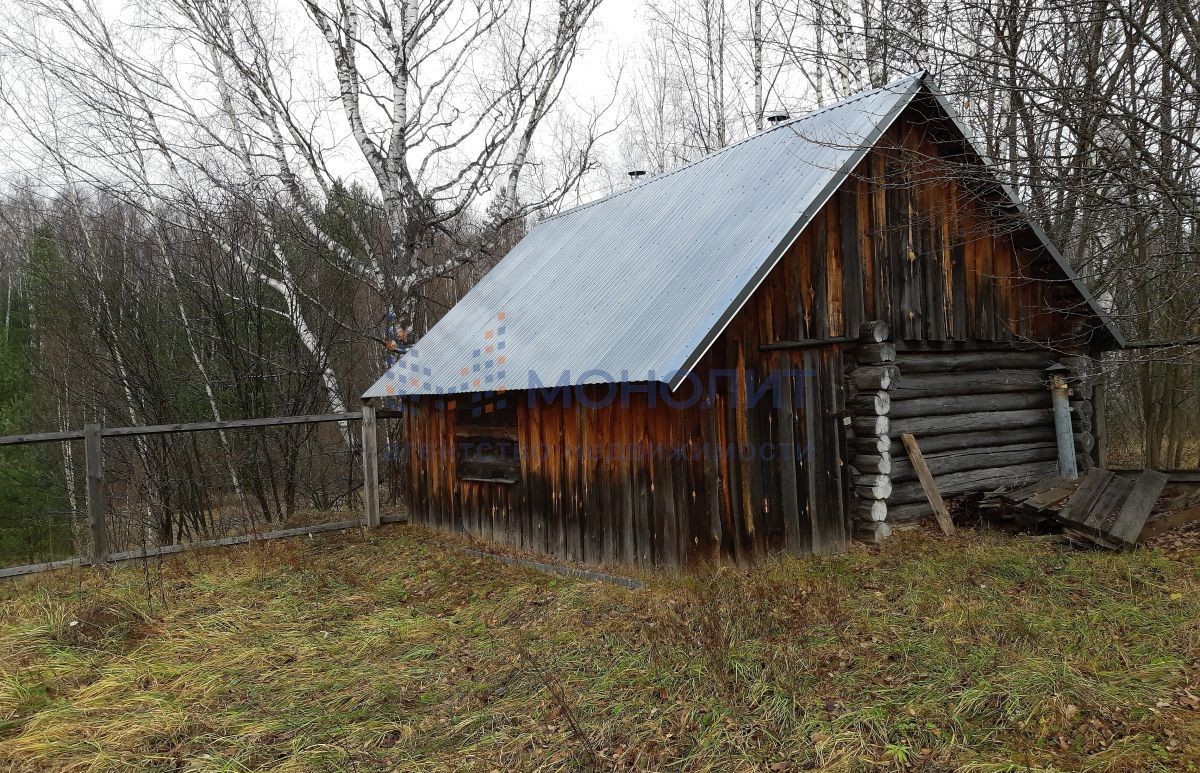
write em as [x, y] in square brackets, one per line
[613, 42]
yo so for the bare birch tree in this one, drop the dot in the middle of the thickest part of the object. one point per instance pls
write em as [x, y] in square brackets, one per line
[445, 103]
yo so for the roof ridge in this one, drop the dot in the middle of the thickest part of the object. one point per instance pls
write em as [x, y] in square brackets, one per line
[790, 124]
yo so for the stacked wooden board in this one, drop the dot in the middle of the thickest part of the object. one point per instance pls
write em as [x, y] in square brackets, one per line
[1102, 508]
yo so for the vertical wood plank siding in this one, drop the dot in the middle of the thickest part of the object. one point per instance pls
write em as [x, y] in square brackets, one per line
[637, 481]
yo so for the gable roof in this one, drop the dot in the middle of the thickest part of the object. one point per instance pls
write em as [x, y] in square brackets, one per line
[637, 285]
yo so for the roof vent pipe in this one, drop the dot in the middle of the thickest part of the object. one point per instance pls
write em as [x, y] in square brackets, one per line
[635, 174]
[777, 118]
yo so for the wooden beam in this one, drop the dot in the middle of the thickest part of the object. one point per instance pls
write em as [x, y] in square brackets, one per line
[971, 422]
[93, 456]
[963, 362]
[968, 383]
[1100, 424]
[978, 458]
[370, 463]
[974, 480]
[203, 426]
[814, 343]
[163, 429]
[40, 437]
[945, 405]
[868, 354]
[927, 482]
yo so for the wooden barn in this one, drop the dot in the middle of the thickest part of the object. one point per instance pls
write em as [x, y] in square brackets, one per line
[717, 362]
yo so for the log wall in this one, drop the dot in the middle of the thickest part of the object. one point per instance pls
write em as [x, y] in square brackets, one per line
[981, 417]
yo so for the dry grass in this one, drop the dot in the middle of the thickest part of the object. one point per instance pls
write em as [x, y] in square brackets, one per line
[395, 651]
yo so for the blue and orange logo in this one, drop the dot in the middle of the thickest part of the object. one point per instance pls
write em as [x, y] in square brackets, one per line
[484, 372]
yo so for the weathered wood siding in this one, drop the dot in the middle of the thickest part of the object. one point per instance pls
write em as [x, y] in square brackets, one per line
[641, 481]
[648, 480]
[907, 242]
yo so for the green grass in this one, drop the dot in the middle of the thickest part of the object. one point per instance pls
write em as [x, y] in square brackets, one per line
[395, 651]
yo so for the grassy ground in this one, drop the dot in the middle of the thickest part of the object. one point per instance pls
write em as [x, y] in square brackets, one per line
[397, 652]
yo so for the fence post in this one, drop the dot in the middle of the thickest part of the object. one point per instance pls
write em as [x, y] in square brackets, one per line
[93, 457]
[370, 460]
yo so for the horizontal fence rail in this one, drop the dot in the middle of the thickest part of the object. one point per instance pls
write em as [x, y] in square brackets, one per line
[166, 550]
[100, 551]
[163, 429]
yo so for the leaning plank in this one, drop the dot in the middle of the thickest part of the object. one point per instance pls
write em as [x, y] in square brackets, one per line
[1107, 504]
[1172, 520]
[1081, 502]
[928, 483]
[1137, 507]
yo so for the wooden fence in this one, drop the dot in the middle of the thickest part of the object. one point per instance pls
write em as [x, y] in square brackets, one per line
[93, 436]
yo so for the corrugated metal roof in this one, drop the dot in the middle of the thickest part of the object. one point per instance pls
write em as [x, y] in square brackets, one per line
[637, 285]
